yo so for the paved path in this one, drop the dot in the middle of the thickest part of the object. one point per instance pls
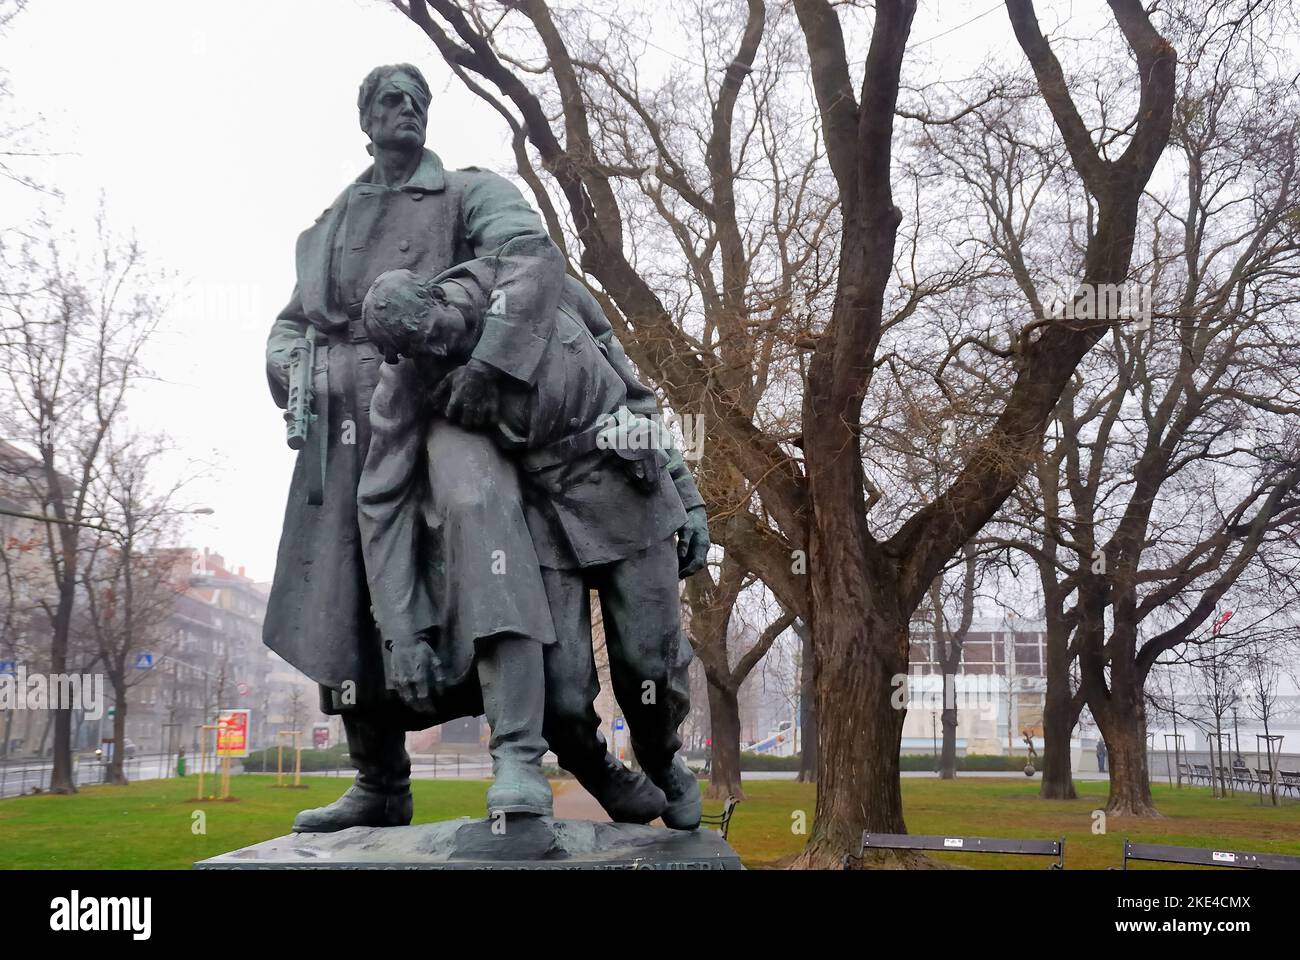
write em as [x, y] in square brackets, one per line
[574, 803]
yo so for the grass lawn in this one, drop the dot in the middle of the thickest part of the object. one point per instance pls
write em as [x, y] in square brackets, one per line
[761, 827]
[148, 824]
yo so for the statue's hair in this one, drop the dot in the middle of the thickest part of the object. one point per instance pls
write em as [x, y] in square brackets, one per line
[394, 308]
[370, 85]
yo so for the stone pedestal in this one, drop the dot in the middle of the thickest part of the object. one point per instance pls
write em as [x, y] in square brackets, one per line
[514, 843]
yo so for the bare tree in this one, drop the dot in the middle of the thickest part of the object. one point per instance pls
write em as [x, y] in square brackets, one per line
[713, 605]
[1168, 466]
[70, 342]
[129, 580]
[948, 646]
[808, 527]
[1261, 671]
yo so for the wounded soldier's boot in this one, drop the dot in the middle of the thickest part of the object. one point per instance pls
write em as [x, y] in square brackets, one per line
[381, 794]
[627, 796]
[510, 676]
[684, 807]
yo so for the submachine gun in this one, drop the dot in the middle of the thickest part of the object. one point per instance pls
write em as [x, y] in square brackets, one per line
[300, 418]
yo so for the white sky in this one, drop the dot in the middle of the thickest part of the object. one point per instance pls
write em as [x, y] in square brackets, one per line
[216, 134]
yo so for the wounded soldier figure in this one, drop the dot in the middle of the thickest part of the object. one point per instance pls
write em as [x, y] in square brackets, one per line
[608, 503]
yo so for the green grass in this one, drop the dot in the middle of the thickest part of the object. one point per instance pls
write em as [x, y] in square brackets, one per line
[761, 827]
[148, 825]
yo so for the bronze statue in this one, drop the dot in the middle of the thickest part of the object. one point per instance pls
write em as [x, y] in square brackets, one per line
[457, 587]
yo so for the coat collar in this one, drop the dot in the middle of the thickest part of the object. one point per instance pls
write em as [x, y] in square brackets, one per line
[428, 176]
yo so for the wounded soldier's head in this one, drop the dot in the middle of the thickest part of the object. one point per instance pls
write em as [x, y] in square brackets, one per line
[407, 317]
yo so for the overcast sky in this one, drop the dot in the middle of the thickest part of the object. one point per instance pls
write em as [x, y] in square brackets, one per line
[216, 134]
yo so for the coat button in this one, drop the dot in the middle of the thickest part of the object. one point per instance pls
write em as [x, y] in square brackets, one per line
[404, 246]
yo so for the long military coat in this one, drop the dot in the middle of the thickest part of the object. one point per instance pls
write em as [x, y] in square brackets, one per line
[319, 612]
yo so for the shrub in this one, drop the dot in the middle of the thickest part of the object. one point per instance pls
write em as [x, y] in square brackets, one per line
[264, 761]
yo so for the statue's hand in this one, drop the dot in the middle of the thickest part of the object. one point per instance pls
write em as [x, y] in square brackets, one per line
[469, 396]
[278, 364]
[411, 672]
[692, 543]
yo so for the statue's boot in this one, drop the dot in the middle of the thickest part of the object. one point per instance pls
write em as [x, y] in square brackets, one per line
[380, 796]
[626, 795]
[682, 790]
[510, 676]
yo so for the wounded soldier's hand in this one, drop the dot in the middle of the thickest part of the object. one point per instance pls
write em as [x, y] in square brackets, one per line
[692, 543]
[411, 672]
[469, 396]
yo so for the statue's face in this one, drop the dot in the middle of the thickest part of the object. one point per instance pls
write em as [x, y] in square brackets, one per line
[397, 118]
[404, 319]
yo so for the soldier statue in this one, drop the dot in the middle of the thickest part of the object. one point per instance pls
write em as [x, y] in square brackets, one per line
[419, 578]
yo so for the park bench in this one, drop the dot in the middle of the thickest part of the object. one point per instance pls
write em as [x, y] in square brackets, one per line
[908, 841]
[721, 820]
[1204, 857]
[1201, 771]
[1263, 778]
[1289, 780]
[1185, 772]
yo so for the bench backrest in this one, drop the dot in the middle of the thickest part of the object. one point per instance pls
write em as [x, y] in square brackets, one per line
[1198, 856]
[912, 841]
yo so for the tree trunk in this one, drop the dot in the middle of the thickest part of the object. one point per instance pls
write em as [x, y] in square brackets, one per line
[116, 766]
[61, 780]
[724, 720]
[858, 786]
[1061, 707]
[948, 719]
[1125, 733]
[807, 707]
[1059, 719]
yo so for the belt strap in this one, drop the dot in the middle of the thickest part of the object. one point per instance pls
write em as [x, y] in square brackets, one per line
[316, 473]
[563, 450]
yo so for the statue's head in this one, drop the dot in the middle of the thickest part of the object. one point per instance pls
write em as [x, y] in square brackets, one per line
[408, 318]
[394, 107]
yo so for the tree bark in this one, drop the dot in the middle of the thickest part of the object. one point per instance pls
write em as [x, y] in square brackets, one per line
[807, 707]
[117, 766]
[61, 780]
[1059, 718]
[858, 770]
[1125, 733]
[948, 719]
[724, 721]
[1061, 706]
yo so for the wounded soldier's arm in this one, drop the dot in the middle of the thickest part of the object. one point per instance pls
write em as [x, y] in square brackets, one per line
[641, 400]
[519, 314]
